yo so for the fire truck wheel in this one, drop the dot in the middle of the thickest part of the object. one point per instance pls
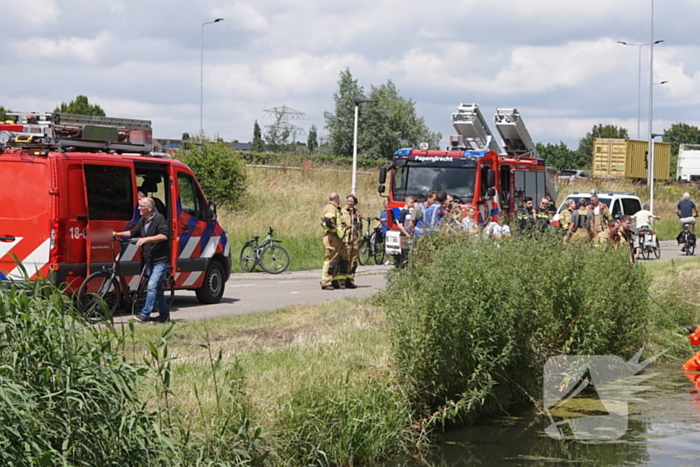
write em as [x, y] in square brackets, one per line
[212, 288]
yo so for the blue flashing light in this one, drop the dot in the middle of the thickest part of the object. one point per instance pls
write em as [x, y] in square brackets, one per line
[471, 153]
[404, 152]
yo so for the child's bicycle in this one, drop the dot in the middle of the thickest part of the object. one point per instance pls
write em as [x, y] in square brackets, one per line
[272, 258]
[109, 288]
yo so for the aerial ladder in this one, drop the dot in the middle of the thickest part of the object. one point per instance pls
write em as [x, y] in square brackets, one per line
[63, 131]
[516, 138]
[472, 130]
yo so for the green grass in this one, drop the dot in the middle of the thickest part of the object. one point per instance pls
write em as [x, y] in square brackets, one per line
[318, 380]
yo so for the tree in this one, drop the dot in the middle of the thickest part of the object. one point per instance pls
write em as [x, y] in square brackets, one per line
[585, 144]
[391, 124]
[219, 170]
[312, 139]
[185, 136]
[3, 113]
[257, 145]
[80, 106]
[677, 134]
[560, 156]
[340, 125]
[383, 127]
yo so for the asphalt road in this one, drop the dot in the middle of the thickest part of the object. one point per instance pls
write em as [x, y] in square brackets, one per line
[256, 292]
[259, 291]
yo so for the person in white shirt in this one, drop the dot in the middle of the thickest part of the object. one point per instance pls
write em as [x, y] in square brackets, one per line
[644, 220]
[469, 224]
[497, 229]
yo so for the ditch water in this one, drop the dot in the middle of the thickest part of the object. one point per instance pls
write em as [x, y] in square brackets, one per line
[664, 430]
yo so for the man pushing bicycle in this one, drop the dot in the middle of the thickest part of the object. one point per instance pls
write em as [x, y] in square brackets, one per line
[152, 233]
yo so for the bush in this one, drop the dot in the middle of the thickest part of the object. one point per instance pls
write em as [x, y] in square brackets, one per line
[219, 170]
[473, 322]
[68, 395]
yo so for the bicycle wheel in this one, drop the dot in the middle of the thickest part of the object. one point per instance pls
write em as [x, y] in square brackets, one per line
[99, 294]
[657, 249]
[247, 258]
[646, 253]
[377, 243]
[274, 259]
[168, 290]
[364, 254]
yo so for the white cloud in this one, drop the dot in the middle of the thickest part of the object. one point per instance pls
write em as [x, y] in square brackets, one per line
[557, 62]
[81, 49]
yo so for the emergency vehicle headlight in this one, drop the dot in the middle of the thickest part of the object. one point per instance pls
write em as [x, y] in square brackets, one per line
[403, 152]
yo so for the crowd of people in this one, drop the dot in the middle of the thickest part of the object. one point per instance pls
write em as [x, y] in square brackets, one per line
[580, 222]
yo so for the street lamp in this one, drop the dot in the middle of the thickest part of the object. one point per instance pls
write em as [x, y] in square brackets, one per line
[354, 144]
[201, 79]
[639, 83]
[651, 167]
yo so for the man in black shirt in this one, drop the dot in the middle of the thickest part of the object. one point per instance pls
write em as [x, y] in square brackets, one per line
[152, 233]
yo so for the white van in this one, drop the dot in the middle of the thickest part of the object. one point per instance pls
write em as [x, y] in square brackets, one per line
[620, 203]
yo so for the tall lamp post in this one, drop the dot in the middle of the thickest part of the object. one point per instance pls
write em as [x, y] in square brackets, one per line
[651, 166]
[651, 161]
[354, 144]
[639, 83]
[650, 151]
[201, 79]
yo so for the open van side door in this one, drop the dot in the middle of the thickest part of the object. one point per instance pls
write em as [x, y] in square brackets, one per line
[110, 197]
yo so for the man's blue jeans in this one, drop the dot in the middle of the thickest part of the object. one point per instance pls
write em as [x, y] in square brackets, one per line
[155, 294]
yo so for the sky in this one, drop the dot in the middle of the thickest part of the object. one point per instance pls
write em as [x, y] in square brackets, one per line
[557, 62]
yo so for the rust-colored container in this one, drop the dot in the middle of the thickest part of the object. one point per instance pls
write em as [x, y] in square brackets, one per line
[628, 158]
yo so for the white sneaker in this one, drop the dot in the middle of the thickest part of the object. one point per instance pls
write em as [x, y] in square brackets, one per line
[387, 263]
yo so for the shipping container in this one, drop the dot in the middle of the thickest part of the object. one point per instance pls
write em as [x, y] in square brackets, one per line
[628, 158]
[688, 162]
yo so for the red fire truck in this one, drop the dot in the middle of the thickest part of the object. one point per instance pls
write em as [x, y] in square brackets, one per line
[475, 169]
[68, 181]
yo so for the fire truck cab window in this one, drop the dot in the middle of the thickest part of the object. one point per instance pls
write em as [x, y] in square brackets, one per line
[418, 180]
[191, 199]
[110, 192]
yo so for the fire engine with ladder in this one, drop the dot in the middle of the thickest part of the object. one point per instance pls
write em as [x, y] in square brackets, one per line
[493, 178]
[70, 180]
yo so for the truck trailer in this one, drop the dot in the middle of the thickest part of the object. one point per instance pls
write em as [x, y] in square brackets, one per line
[688, 163]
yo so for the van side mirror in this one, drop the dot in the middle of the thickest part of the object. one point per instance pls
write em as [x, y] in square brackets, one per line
[491, 178]
[211, 212]
[491, 192]
[382, 176]
[380, 189]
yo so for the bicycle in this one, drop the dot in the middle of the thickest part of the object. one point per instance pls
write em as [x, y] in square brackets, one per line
[272, 258]
[371, 244]
[687, 238]
[109, 287]
[647, 244]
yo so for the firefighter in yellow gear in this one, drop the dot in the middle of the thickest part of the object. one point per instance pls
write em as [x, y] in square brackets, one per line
[332, 243]
[565, 215]
[601, 213]
[352, 225]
